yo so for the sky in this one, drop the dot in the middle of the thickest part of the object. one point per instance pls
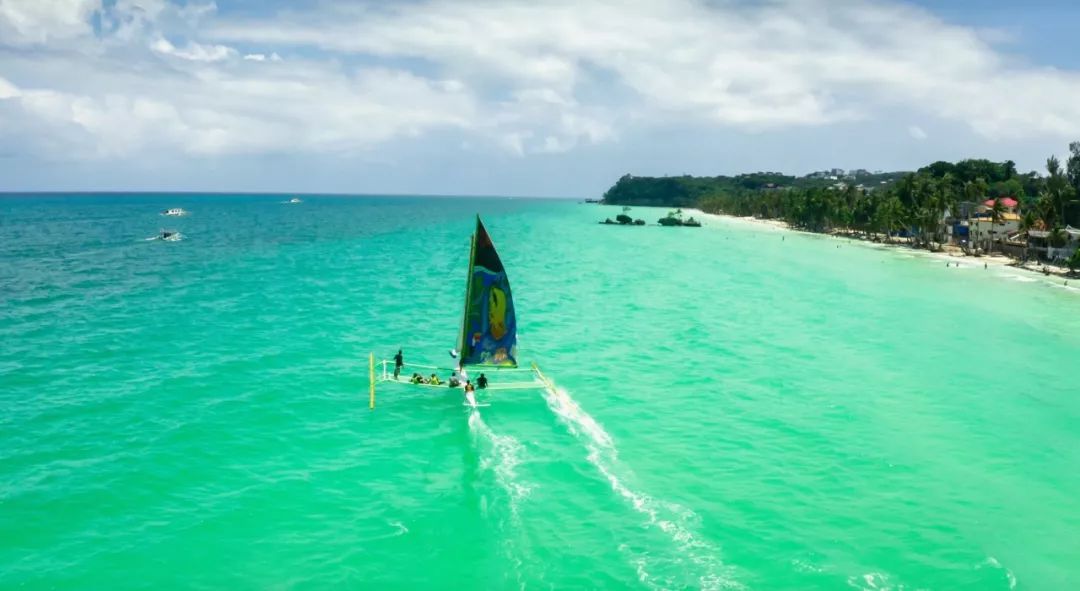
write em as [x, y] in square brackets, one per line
[520, 97]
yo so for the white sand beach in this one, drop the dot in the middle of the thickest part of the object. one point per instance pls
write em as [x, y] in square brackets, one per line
[1055, 274]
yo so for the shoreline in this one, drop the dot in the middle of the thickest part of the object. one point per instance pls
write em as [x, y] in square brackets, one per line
[995, 260]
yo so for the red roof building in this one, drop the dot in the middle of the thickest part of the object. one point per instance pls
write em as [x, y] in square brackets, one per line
[1008, 202]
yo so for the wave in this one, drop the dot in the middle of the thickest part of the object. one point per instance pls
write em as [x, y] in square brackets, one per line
[872, 581]
[993, 563]
[670, 518]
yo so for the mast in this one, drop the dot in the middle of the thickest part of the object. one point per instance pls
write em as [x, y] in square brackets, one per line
[468, 295]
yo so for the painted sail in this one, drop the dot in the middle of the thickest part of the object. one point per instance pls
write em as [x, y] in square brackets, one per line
[489, 327]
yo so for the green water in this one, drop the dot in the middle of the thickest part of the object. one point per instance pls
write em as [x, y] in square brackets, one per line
[735, 410]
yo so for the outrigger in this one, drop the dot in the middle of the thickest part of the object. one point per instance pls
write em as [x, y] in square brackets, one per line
[487, 341]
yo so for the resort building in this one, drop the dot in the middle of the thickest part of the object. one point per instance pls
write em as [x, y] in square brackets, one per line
[973, 226]
[1039, 243]
[982, 230]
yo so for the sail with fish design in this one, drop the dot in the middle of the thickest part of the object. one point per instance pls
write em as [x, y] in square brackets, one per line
[489, 325]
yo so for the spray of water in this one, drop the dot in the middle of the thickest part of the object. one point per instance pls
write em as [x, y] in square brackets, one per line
[501, 454]
[674, 520]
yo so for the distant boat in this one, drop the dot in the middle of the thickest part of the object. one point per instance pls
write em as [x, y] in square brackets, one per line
[175, 211]
[168, 236]
[674, 218]
[295, 200]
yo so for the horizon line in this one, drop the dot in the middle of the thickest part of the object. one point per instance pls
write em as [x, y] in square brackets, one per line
[6, 193]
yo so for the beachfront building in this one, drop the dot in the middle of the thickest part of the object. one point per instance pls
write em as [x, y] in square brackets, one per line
[958, 232]
[982, 230]
[1039, 243]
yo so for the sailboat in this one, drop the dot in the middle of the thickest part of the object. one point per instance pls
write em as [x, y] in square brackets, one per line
[487, 338]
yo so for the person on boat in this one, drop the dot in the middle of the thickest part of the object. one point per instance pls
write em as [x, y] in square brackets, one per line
[453, 382]
[399, 362]
[417, 379]
[481, 382]
[434, 380]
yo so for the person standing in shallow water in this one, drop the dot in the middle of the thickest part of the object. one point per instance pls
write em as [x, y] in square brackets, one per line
[399, 362]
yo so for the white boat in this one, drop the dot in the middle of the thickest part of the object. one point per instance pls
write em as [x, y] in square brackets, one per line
[487, 341]
[169, 236]
[174, 211]
[295, 200]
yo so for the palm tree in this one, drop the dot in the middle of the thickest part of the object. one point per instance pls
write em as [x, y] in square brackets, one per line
[975, 191]
[1057, 237]
[1028, 221]
[996, 210]
[1057, 186]
[888, 216]
[1074, 261]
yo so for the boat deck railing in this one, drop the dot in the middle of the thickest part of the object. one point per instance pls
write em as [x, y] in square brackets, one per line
[495, 384]
[387, 373]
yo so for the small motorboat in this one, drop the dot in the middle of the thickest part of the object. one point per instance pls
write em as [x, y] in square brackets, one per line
[295, 200]
[170, 236]
[174, 211]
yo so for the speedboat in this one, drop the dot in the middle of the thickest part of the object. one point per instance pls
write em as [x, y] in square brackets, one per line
[170, 236]
[295, 200]
[175, 211]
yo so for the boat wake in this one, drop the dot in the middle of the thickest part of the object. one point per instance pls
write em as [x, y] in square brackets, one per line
[500, 455]
[672, 519]
[993, 563]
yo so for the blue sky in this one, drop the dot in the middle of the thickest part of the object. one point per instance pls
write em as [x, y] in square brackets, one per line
[520, 97]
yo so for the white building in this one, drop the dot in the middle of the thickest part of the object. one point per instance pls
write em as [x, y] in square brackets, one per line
[982, 230]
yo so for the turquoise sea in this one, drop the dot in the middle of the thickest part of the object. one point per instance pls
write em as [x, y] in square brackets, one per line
[738, 407]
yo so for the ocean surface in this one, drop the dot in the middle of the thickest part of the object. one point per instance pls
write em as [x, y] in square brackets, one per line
[737, 407]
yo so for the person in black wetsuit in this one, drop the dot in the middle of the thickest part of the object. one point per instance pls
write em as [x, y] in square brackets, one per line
[399, 362]
[481, 382]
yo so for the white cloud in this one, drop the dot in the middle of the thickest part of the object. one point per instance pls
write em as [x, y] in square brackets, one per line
[195, 52]
[194, 12]
[526, 76]
[262, 57]
[215, 108]
[8, 90]
[750, 66]
[27, 22]
[129, 20]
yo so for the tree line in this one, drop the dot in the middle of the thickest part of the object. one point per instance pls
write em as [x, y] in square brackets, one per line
[885, 203]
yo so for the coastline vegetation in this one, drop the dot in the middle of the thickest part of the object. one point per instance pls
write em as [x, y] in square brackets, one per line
[918, 205]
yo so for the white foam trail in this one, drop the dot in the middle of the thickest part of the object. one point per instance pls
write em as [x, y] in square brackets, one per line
[503, 461]
[993, 562]
[670, 518]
